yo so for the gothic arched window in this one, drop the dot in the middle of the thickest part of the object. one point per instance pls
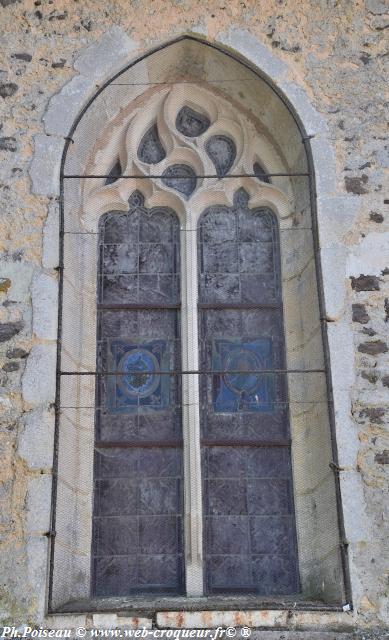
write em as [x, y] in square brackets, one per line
[193, 429]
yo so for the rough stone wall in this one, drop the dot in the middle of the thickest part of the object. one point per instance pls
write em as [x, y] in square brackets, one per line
[335, 51]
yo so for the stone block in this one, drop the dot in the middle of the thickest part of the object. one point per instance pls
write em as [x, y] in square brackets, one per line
[101, 58]
[336, 215]
[313, 122]
[341, 344]
[65, 106]
[37, 555]
[249, 46]
[266, 618]
[38, 505]
[325, 166]
[50, 257]
[37, 439]
[46, 163]
[353, 502]
[38, 382]
[333, 264]
[44, 294]
[369, 256]
[64, 621]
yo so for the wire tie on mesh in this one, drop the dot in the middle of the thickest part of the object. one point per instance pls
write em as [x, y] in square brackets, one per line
[50, 534]
[335, 467]
[69, 138]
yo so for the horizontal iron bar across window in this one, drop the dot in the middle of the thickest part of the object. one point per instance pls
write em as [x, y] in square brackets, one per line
[182, 230]
[174, 372]
[284, 403]
[210, 175]
[137, 306]
[140, 445]
[245, 443]
[239, 305]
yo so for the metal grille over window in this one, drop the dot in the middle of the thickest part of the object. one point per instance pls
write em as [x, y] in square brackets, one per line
[137, 525]
[249, 530]
[193, 437]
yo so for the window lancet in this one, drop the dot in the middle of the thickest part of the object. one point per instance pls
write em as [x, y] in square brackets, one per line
[137, 527]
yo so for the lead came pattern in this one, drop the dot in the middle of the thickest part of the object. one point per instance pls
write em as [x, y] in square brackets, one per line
[249, 528]
[137, 523]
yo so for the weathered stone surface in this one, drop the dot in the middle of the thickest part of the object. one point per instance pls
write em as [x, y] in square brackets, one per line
[383, 457]
[38, 382]
[8, 89]
[356, 185]
[360, 314]
[44, 291]
[374, 347]
[10, 329]
[370, 376]
[8, 144]
[377, 7]
[37, 438]
[376, 217]
[374, 414]
[45, 167]
[385, 381]
[11, 366]
[5, 284]
[369, 256]
[38, 503]
[17, 353]
[365, 283]
[252, 619]
[26, 57]
[102, 57]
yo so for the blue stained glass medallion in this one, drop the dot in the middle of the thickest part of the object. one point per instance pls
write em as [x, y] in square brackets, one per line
[140, 386]
[241, 387]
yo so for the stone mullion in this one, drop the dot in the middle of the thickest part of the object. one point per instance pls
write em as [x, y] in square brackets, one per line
[191, 416]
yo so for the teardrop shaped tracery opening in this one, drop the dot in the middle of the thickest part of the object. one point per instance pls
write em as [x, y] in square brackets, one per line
[222, 151]
[150, 148]
[191, 123]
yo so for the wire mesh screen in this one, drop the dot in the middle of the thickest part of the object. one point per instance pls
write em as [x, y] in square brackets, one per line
[193, 409]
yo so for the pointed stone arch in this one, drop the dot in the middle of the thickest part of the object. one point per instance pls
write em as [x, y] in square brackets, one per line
[283, 148]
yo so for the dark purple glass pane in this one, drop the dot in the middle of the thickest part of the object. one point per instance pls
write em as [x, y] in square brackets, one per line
[137, 528]
[222, 151]
[247, 488]
[191, 123]
[150, 148]
[261, 173]
[180, 177]
[114, 174]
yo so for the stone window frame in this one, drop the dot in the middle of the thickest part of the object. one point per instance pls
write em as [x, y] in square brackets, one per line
[324, 184]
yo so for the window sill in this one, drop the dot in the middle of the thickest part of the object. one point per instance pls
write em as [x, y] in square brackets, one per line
[150, 606]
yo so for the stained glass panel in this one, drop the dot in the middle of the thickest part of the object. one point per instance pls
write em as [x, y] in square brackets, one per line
[137, 523]
[249, 528]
